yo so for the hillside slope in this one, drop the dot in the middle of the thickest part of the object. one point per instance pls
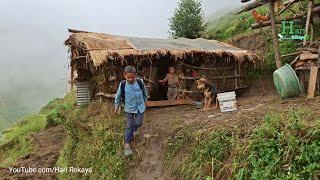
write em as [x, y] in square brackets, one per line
[266, 138]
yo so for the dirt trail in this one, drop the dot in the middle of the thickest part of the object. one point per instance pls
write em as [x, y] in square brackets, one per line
[48, 144]
[160, 124]
[147, 161]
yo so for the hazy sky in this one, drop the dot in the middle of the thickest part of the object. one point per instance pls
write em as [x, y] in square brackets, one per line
[32, 34]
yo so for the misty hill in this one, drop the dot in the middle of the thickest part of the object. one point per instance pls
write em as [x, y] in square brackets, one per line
[3, 123]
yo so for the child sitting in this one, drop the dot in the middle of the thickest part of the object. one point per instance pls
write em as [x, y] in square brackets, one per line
[173, 80]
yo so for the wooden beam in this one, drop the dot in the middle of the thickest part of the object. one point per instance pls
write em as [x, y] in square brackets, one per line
[295, 60]
[205, 68]
[312, 81]
[312, 50]
[308, 56]
[258, 3]
[274, 35]
[252, 5]
[308, 21]
[288, 4]
[211, 78]
[292, 54]
[77, 31]
[169, 103]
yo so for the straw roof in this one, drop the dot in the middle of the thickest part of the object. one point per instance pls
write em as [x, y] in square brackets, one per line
[99, 48]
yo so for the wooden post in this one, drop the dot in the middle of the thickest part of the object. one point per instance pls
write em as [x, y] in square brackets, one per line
[71, 78]
[318, 64]
[312, 81]
[223, 78]
[236, 79]
[274, 35]
[302, 81]
[308, 21]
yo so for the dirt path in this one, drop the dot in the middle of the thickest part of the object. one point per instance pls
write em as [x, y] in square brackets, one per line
[48, 144]
[160, 124]
[147, 161]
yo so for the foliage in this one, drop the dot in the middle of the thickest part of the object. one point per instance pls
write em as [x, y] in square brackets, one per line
[94, 140]
[229, 26]
[285, 146]
[15, 142]
[188, 20]
[210, 149]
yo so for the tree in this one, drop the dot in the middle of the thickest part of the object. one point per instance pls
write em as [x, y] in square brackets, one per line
[188, 20]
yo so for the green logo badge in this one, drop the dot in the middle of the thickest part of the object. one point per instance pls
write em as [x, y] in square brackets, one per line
[292, 30]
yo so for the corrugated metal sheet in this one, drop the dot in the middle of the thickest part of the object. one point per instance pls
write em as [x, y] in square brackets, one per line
[179, 44]
[83, 92]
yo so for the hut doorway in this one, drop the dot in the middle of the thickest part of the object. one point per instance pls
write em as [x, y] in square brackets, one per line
[160, 91]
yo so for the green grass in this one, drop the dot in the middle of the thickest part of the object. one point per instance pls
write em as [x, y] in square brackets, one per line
[95, 137]
[230, 25]
[285, 146]
[15, 141]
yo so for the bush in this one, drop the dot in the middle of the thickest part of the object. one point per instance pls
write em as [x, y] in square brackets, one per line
[284, 147]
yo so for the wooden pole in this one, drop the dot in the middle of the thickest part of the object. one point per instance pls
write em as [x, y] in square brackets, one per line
[308, 21]
[302, 82]
[312, 81]
[252, 5]
[236, 79]
[274, 35]
[71, 77]
[318, 64]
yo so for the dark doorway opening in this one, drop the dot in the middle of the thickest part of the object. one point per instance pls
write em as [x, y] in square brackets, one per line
[160, 90]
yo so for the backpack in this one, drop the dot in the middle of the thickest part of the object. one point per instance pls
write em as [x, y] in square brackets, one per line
[123, 85]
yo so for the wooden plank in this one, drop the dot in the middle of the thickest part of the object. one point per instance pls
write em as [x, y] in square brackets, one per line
[312, 81]
[308, 55]
[168, 103]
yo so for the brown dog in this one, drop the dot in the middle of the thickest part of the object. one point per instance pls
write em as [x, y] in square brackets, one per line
[210, 93]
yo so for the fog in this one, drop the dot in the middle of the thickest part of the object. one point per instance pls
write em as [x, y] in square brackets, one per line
[34, 61]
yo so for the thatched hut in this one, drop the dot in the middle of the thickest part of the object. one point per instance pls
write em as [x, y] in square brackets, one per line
[100, 59]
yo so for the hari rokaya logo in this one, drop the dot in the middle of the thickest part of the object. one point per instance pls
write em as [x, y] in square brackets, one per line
[292, 30]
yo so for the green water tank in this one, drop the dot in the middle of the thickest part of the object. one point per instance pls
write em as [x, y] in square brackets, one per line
[286, 82]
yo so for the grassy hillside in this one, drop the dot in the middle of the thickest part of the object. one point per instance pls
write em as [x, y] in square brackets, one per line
[285, 146]
[281, 144]
[91, 130]
[231, 26]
